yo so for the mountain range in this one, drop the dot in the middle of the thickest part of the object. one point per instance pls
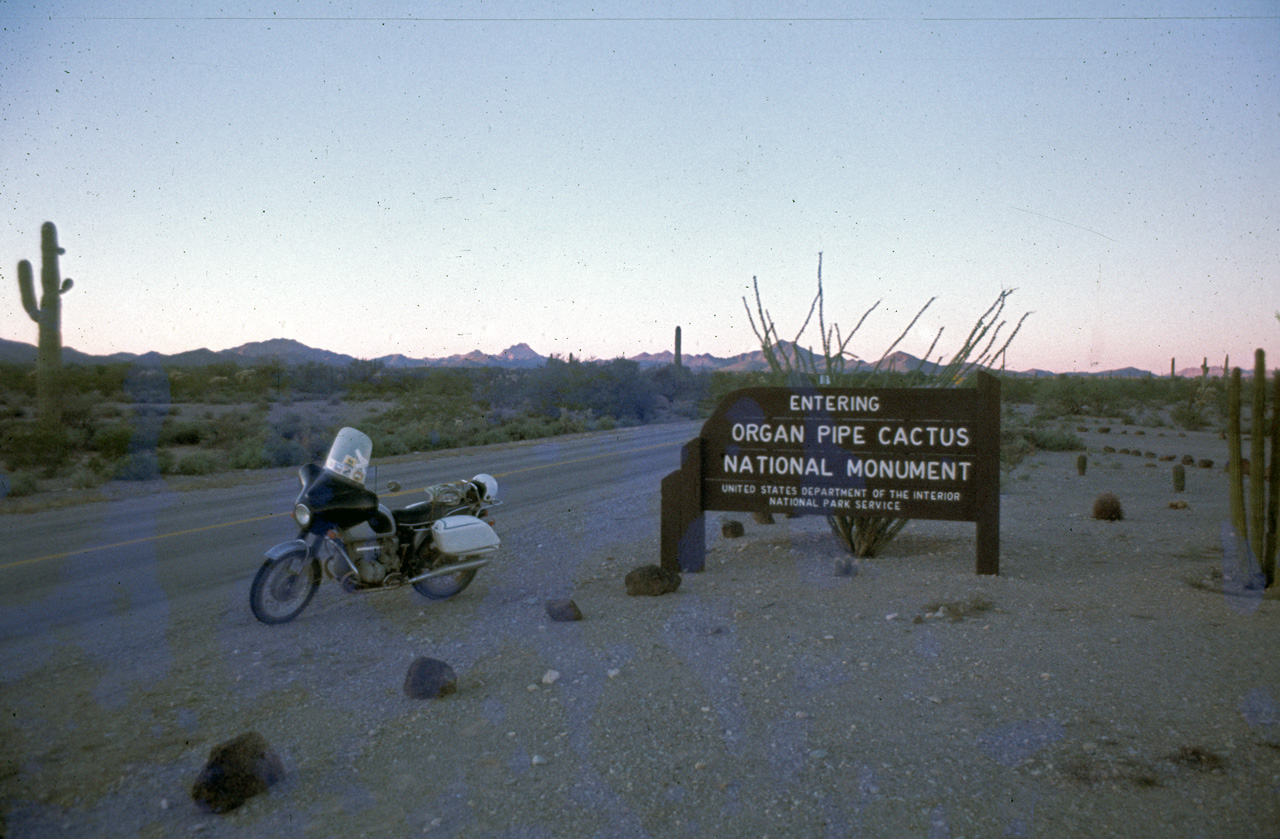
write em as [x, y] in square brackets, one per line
[518, 356]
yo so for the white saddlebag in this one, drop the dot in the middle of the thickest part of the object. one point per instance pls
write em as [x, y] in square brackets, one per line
[464, 536]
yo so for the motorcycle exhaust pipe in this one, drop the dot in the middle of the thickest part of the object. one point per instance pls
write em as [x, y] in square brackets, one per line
[450, 569]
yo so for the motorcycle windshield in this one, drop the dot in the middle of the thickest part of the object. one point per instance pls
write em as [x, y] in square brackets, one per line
[349, 455]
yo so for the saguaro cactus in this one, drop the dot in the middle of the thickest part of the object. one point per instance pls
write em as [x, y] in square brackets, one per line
[679, 360]
[1254, 516]
[48, 314]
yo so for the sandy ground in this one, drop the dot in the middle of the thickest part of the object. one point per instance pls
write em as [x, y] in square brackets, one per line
[1105, 684]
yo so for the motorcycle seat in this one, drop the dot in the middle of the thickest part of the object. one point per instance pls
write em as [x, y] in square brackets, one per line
[417, 514]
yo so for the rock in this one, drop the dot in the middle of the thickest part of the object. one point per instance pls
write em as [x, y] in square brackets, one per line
[651, 580]
[237, 770]
[551, 677]
[763, 518]
[1177, 505]
[732, 529]
[1206, 463]
[429, 678]
[563, 610]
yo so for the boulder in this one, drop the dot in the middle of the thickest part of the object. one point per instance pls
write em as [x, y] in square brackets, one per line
[732, 529]
[237, 770]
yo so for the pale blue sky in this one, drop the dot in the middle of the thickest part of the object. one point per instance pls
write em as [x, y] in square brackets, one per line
[432, 178]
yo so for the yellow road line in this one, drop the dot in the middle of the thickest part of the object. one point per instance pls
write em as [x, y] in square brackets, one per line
[274, 515]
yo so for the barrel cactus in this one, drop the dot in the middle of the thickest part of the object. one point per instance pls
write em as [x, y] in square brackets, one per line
[1106, 507]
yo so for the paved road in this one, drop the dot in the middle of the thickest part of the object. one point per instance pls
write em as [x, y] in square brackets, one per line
[140, 555]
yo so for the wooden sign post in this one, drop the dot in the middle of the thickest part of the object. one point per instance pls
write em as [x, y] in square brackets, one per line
[912, 453]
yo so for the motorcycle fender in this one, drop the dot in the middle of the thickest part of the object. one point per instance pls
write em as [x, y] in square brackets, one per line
[286, 548]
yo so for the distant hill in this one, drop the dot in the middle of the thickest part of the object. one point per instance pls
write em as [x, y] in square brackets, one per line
[517, 356]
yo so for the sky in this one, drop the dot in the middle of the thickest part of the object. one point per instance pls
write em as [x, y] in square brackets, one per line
[434, 178]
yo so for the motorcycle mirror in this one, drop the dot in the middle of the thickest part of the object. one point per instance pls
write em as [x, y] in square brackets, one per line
[393, 486]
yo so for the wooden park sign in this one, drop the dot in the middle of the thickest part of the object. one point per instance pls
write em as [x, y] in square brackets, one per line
[910, 453]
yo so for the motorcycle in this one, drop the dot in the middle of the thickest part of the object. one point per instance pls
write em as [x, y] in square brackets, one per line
[436, 545]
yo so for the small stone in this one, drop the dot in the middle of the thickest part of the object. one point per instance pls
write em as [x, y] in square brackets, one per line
[563, 610]
[651, 580]
[818, 754]
[538, 760]
[551, 677]
[429, 678]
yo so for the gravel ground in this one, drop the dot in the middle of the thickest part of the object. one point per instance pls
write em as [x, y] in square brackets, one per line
[1107, 683]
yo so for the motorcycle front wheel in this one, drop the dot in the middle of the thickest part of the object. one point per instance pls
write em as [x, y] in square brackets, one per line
[444, 586]
[283, 587]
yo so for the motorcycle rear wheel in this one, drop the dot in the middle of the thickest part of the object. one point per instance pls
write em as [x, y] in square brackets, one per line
[283, 587]
[444, 586]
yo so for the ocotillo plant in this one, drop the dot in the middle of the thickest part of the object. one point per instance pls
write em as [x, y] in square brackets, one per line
[837, 366]
[1255, 516]
[48, 314]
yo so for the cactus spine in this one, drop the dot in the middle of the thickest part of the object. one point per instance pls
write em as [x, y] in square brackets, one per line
[1255, 517]
[48, 315]
[679, 359]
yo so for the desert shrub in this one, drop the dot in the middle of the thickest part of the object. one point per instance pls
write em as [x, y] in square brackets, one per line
[198, 463]
[248, 455]
[31, 446]
[139, 465]
[1054, 441]
[112, 441]
[1192, 416]
[21, 483]
[281, 452]
[184, 433]
[85, 477]
[1106, 507]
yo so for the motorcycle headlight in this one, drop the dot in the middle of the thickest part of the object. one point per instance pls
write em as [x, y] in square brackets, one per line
[302, 515]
